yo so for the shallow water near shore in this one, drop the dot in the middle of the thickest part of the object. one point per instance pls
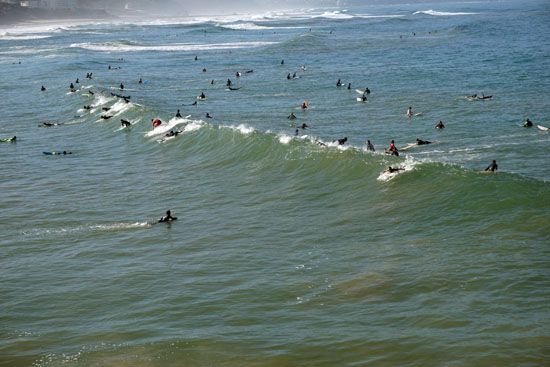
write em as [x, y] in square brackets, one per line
[288, 250]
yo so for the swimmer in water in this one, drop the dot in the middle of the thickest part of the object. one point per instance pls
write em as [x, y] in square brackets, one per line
[370, 146]
[440, 125]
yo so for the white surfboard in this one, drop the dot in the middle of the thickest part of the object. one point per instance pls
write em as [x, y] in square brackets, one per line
[543, 128]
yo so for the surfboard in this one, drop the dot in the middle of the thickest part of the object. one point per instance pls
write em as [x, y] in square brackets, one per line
[7, 140]
[419, 114]
[359, 99]
[360, 91]
[543, 128]
[409, 146]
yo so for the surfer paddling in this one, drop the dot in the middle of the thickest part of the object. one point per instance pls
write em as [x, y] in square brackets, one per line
[492, 167]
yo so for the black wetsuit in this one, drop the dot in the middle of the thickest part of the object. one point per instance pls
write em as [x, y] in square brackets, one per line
[492, 167]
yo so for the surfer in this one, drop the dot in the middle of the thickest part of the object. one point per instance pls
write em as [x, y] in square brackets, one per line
[77, 81]
[367, 91]
[292, 116]
[341, 141]
[105, 117]
[305, 105]
[178, 114]
[87, 108]
[527, 123]
[370, 146]
[168, 217]
[196, 58]
[194, 103]
[43, 88]
[288, 77]
[492, 167]
[349, 86]
[212, 82]
[409, 112]
[297, 132]
[282, 61]
[156, 122]
[363, 98]
[208, 116]
[140, 81]
[393, 170]
[71, 87]
[440, 125]
[238, 74]
[125, 123]
[228, 84]
[172, 133]
[121, 86]
[392, 149]
[339, 83]
[294, 75]
[204, 70]
[484, 97]
[303, 126]
[202, 96]
[422, 142]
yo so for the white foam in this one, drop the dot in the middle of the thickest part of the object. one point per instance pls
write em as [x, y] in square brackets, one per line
[242, 128]
[120, 107]
[246, 26]
[101, 100]
[8, 37]
[407, 165]
[284, 139]
[334, 15]
[440, 13]
[123, 47]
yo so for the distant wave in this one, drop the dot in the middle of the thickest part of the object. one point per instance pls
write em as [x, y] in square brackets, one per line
[132, 47]
[14, 37]
[440, 13]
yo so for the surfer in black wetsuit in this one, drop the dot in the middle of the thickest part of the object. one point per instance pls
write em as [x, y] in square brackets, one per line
[140, 81]
[392, 170]
[370, 146]
[178, 114]
[208, 116]
[202, 95]
[422, 142]
[528, 123]
[341, 141]
[125, 123]
[492, 167]
[71, 87]
[303, 126]
[349, 86]
[292, 116]
[339, 83]
[121, 86]
[440, 125]
[43, 88]
[167, 218]
[87, 108]
[228, 84]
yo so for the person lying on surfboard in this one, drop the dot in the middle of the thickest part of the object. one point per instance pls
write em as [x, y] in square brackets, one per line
[393, 170]
[422, 142]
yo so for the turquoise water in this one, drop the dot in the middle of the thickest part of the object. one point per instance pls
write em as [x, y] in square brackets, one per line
[286, 252]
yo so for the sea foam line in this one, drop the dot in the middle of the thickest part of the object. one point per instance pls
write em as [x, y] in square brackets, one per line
[109, 47]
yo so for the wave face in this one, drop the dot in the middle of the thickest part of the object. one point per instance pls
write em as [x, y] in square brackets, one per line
[289, 248]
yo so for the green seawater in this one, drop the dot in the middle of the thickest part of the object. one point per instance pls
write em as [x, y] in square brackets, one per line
[289, 250]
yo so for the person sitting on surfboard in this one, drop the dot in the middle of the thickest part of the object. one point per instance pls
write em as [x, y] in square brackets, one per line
[392, 149]
[527, 123]
[178, 114]
[305, 105]
[140, 81]
[43, 88]
[228, 84]
[167, 218]
[303, 126]
[409, 112]
[422, 142]
[339, 83]
[202, 95]
[440, 125]
[492, 167]
[155, 122]
[288, 77]
[370, 146]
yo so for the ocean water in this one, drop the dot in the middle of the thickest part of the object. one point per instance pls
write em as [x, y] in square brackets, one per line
[288, 250]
